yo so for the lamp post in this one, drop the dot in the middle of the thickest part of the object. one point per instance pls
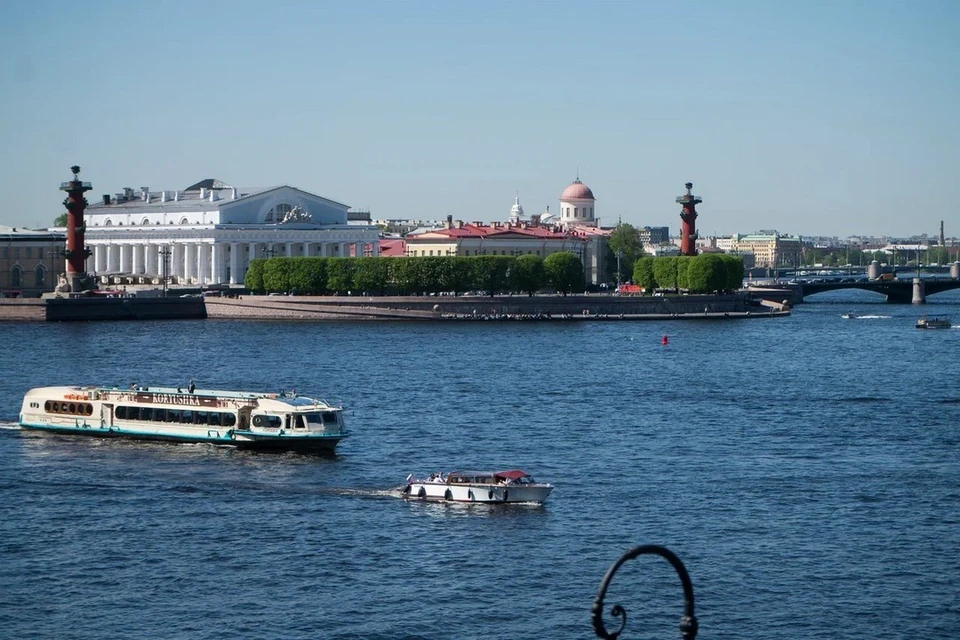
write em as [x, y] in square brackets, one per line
[165, 256]
[53, 254]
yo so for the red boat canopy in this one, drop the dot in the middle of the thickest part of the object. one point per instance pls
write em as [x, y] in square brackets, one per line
[513, 474]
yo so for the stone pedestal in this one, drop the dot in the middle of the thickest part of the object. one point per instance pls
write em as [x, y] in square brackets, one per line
[918, 292]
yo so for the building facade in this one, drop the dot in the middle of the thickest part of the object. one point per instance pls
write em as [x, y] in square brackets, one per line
[29, 261]
[208, 233]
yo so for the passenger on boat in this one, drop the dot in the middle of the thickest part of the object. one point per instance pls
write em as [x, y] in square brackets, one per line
[192, 386]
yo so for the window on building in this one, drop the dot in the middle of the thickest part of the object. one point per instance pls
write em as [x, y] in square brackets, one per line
[29, 252]
[16, 253]
[144, 222]
[16, 277]
[108, 222]
[41, 276]
[278, 213]
[184, 221]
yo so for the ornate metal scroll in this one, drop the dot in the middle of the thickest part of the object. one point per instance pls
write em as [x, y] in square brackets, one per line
[688, 623]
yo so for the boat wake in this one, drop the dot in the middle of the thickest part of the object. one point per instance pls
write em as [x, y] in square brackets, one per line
[874, 317]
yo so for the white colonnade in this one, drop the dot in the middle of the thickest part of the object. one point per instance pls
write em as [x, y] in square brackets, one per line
[207, 262]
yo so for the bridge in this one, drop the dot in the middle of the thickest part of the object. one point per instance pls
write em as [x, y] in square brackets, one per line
[896, 291]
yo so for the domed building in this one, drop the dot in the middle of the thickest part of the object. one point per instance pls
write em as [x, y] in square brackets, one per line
[577, 206]
[516, 211]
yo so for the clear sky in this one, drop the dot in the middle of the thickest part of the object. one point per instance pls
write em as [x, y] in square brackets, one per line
[814, 118]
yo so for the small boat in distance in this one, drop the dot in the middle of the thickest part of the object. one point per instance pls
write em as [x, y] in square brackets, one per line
[848, 316]
[272, 421]
[496, 487]
[933, 323]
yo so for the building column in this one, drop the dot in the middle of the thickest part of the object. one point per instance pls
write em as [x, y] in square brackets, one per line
[189, 256]
[252, 252]
[306, 249]
[235, 263]
[289, 250]
[99, 258]
[202, 263]
[125, 252]
[216, 263]
[375, 248]
[137, 252]
[343, 250]
[176, 260]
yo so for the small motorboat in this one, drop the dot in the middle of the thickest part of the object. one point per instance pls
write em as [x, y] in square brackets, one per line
[933, 323]
[848, 316]
[498, 487]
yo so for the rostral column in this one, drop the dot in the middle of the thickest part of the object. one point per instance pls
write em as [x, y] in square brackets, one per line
[76, 252]
[688, 217]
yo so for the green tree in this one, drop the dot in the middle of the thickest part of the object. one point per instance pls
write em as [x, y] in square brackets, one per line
[733, 272]
[276, 274]
[643, 273]
[564, 272]
[253, 281]
[308, 275]
[371, 274]
[340, 274]
[60, 220]
[491, 273]
[405, 274]
[665, 272]
[458, 275]
[624, 242]
[683, 264]
[528, 275]
[706, 273]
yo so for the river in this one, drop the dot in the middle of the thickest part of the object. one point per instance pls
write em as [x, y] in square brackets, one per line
[806, 470]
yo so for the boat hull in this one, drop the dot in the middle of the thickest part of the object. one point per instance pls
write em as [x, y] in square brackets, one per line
[482, 493]
[228, 437]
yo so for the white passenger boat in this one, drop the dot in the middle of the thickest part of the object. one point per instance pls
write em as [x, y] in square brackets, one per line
[278, 421]
[478, 486]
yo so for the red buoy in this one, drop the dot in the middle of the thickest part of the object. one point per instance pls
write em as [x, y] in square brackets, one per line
[664, 339]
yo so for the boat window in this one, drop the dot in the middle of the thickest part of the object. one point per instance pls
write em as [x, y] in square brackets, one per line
[200, 417]
[187, 416]
[267, 422]
[146, 413]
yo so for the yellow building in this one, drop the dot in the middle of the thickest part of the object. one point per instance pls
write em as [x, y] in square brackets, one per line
[29, 261]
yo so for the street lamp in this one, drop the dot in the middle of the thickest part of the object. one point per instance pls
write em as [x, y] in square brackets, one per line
[165, 256]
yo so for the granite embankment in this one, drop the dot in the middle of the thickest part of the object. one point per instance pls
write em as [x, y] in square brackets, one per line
[549, 307]
[574, 307]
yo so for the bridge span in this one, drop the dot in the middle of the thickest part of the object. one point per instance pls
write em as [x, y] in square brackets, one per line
[906, 291]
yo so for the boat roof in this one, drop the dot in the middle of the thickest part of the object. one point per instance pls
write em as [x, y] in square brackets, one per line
[513, 474]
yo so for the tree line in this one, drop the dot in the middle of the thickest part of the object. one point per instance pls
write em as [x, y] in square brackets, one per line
[562, 272]
[703, 273]
[416, 275]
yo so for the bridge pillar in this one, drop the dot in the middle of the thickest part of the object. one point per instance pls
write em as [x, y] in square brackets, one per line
[873, 271]
[918, 292]
[955, 271]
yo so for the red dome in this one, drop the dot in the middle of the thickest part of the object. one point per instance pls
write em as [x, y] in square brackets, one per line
[577, 190]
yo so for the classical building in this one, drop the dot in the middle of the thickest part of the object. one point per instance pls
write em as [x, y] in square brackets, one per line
[577, 206]
[209, 232]
[29, 261]
[768, 249]
[576, 232]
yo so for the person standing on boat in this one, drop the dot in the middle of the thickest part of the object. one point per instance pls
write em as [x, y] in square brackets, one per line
[192, 386]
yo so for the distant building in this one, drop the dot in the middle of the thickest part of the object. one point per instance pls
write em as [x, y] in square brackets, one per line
[29, 261]
[654, 235]
[209, 232]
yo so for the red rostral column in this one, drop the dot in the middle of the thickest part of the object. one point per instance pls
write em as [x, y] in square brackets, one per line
[688, 228]
[76, 252]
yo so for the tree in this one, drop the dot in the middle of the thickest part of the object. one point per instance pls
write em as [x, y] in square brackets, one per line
[340, 274]
[253, 281]
[564, 272]
[276, 274]
[528, 275]
[490, 273]
[308, 275]
[733, 272]
[706, 273]
[60, 220]
[643, 273]
[370, 274]
[665, 272]
[625, 242]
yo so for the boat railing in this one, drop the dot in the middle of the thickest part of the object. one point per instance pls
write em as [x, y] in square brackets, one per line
[688, 621]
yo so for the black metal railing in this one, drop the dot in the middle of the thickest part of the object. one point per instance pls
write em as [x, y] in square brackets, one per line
[688, 623]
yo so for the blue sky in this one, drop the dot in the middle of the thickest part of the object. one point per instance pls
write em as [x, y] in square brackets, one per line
[814, 118]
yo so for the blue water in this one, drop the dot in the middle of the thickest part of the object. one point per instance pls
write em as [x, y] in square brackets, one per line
[806, 469]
